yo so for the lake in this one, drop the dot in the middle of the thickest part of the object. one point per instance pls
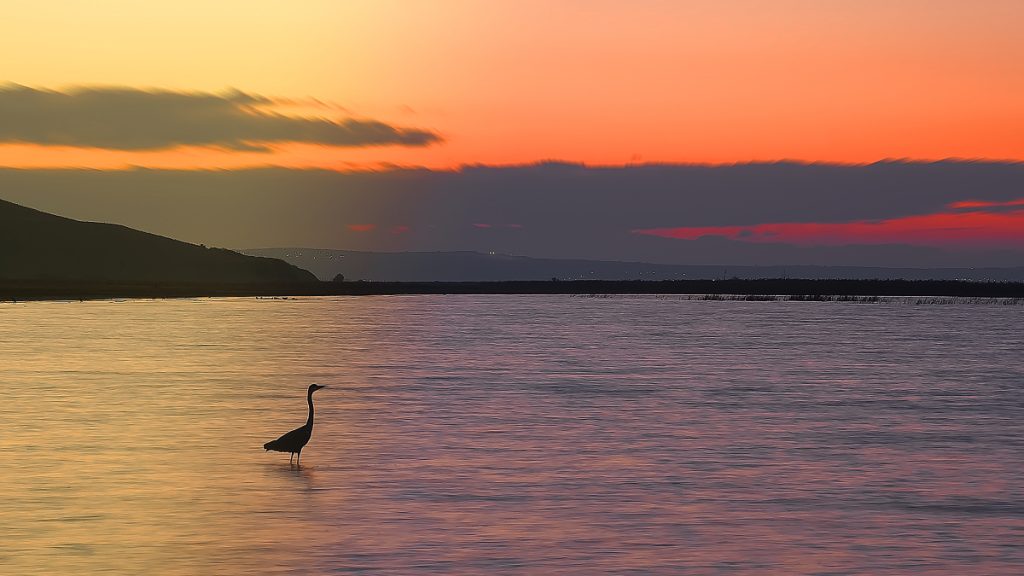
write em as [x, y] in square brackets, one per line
[512, 435]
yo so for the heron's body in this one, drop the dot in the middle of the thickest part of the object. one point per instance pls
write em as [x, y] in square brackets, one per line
[294, 441]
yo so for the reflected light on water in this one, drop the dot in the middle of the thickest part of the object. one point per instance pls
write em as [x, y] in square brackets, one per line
[498, 434]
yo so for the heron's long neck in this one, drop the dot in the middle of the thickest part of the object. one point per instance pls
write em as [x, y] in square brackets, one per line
[309, 399]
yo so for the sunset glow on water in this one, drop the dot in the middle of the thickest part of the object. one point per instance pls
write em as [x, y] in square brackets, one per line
[514, 435]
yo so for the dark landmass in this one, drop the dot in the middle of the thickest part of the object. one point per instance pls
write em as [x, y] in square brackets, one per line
[480, 267]
[798, 289]
[50, 250]
[43, 256]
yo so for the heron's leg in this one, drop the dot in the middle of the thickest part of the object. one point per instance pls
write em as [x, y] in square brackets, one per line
[299, 459]
[291, 456]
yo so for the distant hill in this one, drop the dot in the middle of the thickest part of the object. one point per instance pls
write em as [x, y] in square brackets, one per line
[478, 267]
[35, 245]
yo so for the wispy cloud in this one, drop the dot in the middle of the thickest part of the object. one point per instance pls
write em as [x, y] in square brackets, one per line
[973, 204]
[362, 227]
[124, 118]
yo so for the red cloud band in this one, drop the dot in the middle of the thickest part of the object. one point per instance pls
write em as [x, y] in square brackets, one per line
[975, 228]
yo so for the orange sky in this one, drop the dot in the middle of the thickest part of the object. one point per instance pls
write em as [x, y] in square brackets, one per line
[598, 82]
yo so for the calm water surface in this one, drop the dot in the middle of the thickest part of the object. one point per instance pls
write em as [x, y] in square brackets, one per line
[512, 435]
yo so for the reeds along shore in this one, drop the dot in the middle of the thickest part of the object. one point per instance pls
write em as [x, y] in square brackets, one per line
[912, 300]
[732, 289]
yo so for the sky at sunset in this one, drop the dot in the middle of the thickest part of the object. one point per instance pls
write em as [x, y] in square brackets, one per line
[381, 87]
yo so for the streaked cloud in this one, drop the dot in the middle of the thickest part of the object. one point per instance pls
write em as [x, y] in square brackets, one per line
[131, 119]
[969, 204]
[942, 229]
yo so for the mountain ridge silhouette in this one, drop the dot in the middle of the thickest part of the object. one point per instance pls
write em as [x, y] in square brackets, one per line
[36, 245]
[466, 266]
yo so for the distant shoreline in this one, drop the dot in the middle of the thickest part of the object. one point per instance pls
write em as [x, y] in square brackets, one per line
[15, 290]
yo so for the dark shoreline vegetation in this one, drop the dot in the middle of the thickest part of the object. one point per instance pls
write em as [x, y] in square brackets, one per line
[733, 289]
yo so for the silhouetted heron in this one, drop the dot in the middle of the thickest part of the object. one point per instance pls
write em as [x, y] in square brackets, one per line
[294, 441]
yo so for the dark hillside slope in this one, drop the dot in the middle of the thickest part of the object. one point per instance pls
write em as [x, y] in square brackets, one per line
[41, 246]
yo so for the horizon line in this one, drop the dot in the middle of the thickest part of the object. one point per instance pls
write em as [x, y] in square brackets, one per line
[386, 167]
